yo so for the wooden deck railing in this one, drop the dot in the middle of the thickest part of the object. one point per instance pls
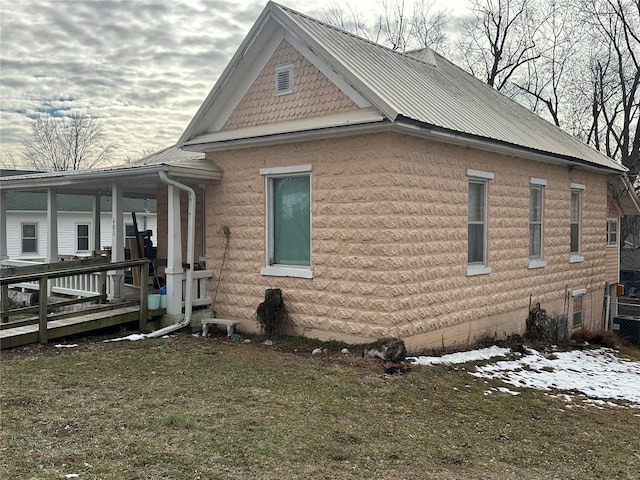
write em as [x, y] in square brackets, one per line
[44, 273]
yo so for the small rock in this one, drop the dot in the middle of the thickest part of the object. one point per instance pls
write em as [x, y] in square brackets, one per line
[326, 350]
[316, 351]
[345, 351]
[247, 340]
[268, 343]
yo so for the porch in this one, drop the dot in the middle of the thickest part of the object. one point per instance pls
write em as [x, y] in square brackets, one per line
[170, 178]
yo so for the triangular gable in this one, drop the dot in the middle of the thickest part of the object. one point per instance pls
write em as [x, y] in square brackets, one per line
[234, 94]
[313, 94]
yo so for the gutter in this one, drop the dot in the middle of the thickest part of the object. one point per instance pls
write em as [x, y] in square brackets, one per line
[191, 222]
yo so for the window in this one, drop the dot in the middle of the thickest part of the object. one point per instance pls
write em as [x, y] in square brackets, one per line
[29, 238]
[578, 307]
[284, 79]
[82, 237]
[612, 232]
[477, 223]
[536, 206]
[288, 221]
[576, 221]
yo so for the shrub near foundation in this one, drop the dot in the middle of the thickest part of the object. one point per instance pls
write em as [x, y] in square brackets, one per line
[272, 314]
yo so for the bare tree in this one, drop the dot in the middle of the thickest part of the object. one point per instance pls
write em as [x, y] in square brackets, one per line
[548, 79]
[499, 39]
[397, 27]
[346, 18]
[76, 142]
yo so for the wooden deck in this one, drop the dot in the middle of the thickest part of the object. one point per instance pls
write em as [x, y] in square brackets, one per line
[25, 334]
[48, 325]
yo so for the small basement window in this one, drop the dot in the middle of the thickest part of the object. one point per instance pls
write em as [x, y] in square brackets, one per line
[284, 79]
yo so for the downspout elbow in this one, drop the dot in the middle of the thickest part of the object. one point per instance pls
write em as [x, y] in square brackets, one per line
[188, 307]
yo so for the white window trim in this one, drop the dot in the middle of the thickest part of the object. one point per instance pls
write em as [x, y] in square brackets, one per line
[474, 269]
[578, 293]
[285, 67]
[275, 270]
[539, 182]
[609, 220]
[577, 257]
[537, 263]
[88, 237]
[36, 238]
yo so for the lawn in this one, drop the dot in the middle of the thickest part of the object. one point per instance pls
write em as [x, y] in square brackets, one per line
[206, 408]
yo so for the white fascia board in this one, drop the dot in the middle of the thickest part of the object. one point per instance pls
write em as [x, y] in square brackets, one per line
[306, 126]
[322, 65]
[487, 145]
[205, 116]
[376, 98]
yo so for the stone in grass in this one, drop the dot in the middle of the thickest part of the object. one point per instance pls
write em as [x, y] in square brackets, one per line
[390, 349]
[316, 351]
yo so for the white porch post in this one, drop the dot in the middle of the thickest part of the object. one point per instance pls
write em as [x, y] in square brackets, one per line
[3, 225]
[52, 226]
[117, 243]
[4, 290]
[174, 271]
[96, 223]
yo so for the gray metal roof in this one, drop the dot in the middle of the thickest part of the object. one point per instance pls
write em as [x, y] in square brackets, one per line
[416, 91]
[427, 88]
[171, 156]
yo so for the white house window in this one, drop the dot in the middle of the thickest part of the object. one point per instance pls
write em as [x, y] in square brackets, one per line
[612, 232]
[477, 223]
[284, 79]
[288, 221]
[29, 238]
[82, 237]
[536, 210]
[578, 307]
[576, 222]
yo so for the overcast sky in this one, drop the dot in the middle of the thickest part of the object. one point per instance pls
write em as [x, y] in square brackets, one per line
[143, 67]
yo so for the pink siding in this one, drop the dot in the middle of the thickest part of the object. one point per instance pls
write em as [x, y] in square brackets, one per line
[314, 95]
[389, 230]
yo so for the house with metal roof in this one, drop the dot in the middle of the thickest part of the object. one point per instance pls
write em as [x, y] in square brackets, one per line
[392, 194]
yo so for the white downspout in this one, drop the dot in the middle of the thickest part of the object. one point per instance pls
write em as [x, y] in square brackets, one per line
[191, 230]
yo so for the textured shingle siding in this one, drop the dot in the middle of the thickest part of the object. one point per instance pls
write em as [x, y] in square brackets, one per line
[389, 229]
[314, 95]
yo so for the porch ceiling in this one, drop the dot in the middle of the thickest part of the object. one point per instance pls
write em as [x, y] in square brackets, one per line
[137, 181]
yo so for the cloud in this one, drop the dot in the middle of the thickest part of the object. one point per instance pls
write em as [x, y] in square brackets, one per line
[142, 67]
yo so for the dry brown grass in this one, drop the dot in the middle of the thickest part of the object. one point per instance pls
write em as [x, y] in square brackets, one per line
[189, 407]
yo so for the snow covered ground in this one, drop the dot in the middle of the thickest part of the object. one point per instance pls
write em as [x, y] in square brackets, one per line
[598, 374]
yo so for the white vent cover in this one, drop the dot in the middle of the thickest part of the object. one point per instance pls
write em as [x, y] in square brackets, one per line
[284, 79]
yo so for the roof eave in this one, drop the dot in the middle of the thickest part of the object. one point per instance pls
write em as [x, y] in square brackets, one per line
[496, 146]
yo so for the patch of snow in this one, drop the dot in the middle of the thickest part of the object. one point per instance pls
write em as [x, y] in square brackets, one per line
[461, 357]
[598, 374]
[66, 346]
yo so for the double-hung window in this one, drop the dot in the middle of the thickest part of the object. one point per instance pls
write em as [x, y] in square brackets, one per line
[477, 222]
[576, 222]
[29, 238]
[612, 232]
[82, 237]
[536, 210]
[288, 221]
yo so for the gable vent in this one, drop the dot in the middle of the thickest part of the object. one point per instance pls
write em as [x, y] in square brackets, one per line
[284, 79]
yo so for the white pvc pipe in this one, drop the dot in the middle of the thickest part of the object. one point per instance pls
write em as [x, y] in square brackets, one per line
[191, 231]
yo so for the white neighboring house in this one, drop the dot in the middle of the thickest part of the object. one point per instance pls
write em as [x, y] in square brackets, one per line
[27, 234]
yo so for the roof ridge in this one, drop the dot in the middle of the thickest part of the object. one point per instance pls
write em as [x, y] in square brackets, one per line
[405, 54]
